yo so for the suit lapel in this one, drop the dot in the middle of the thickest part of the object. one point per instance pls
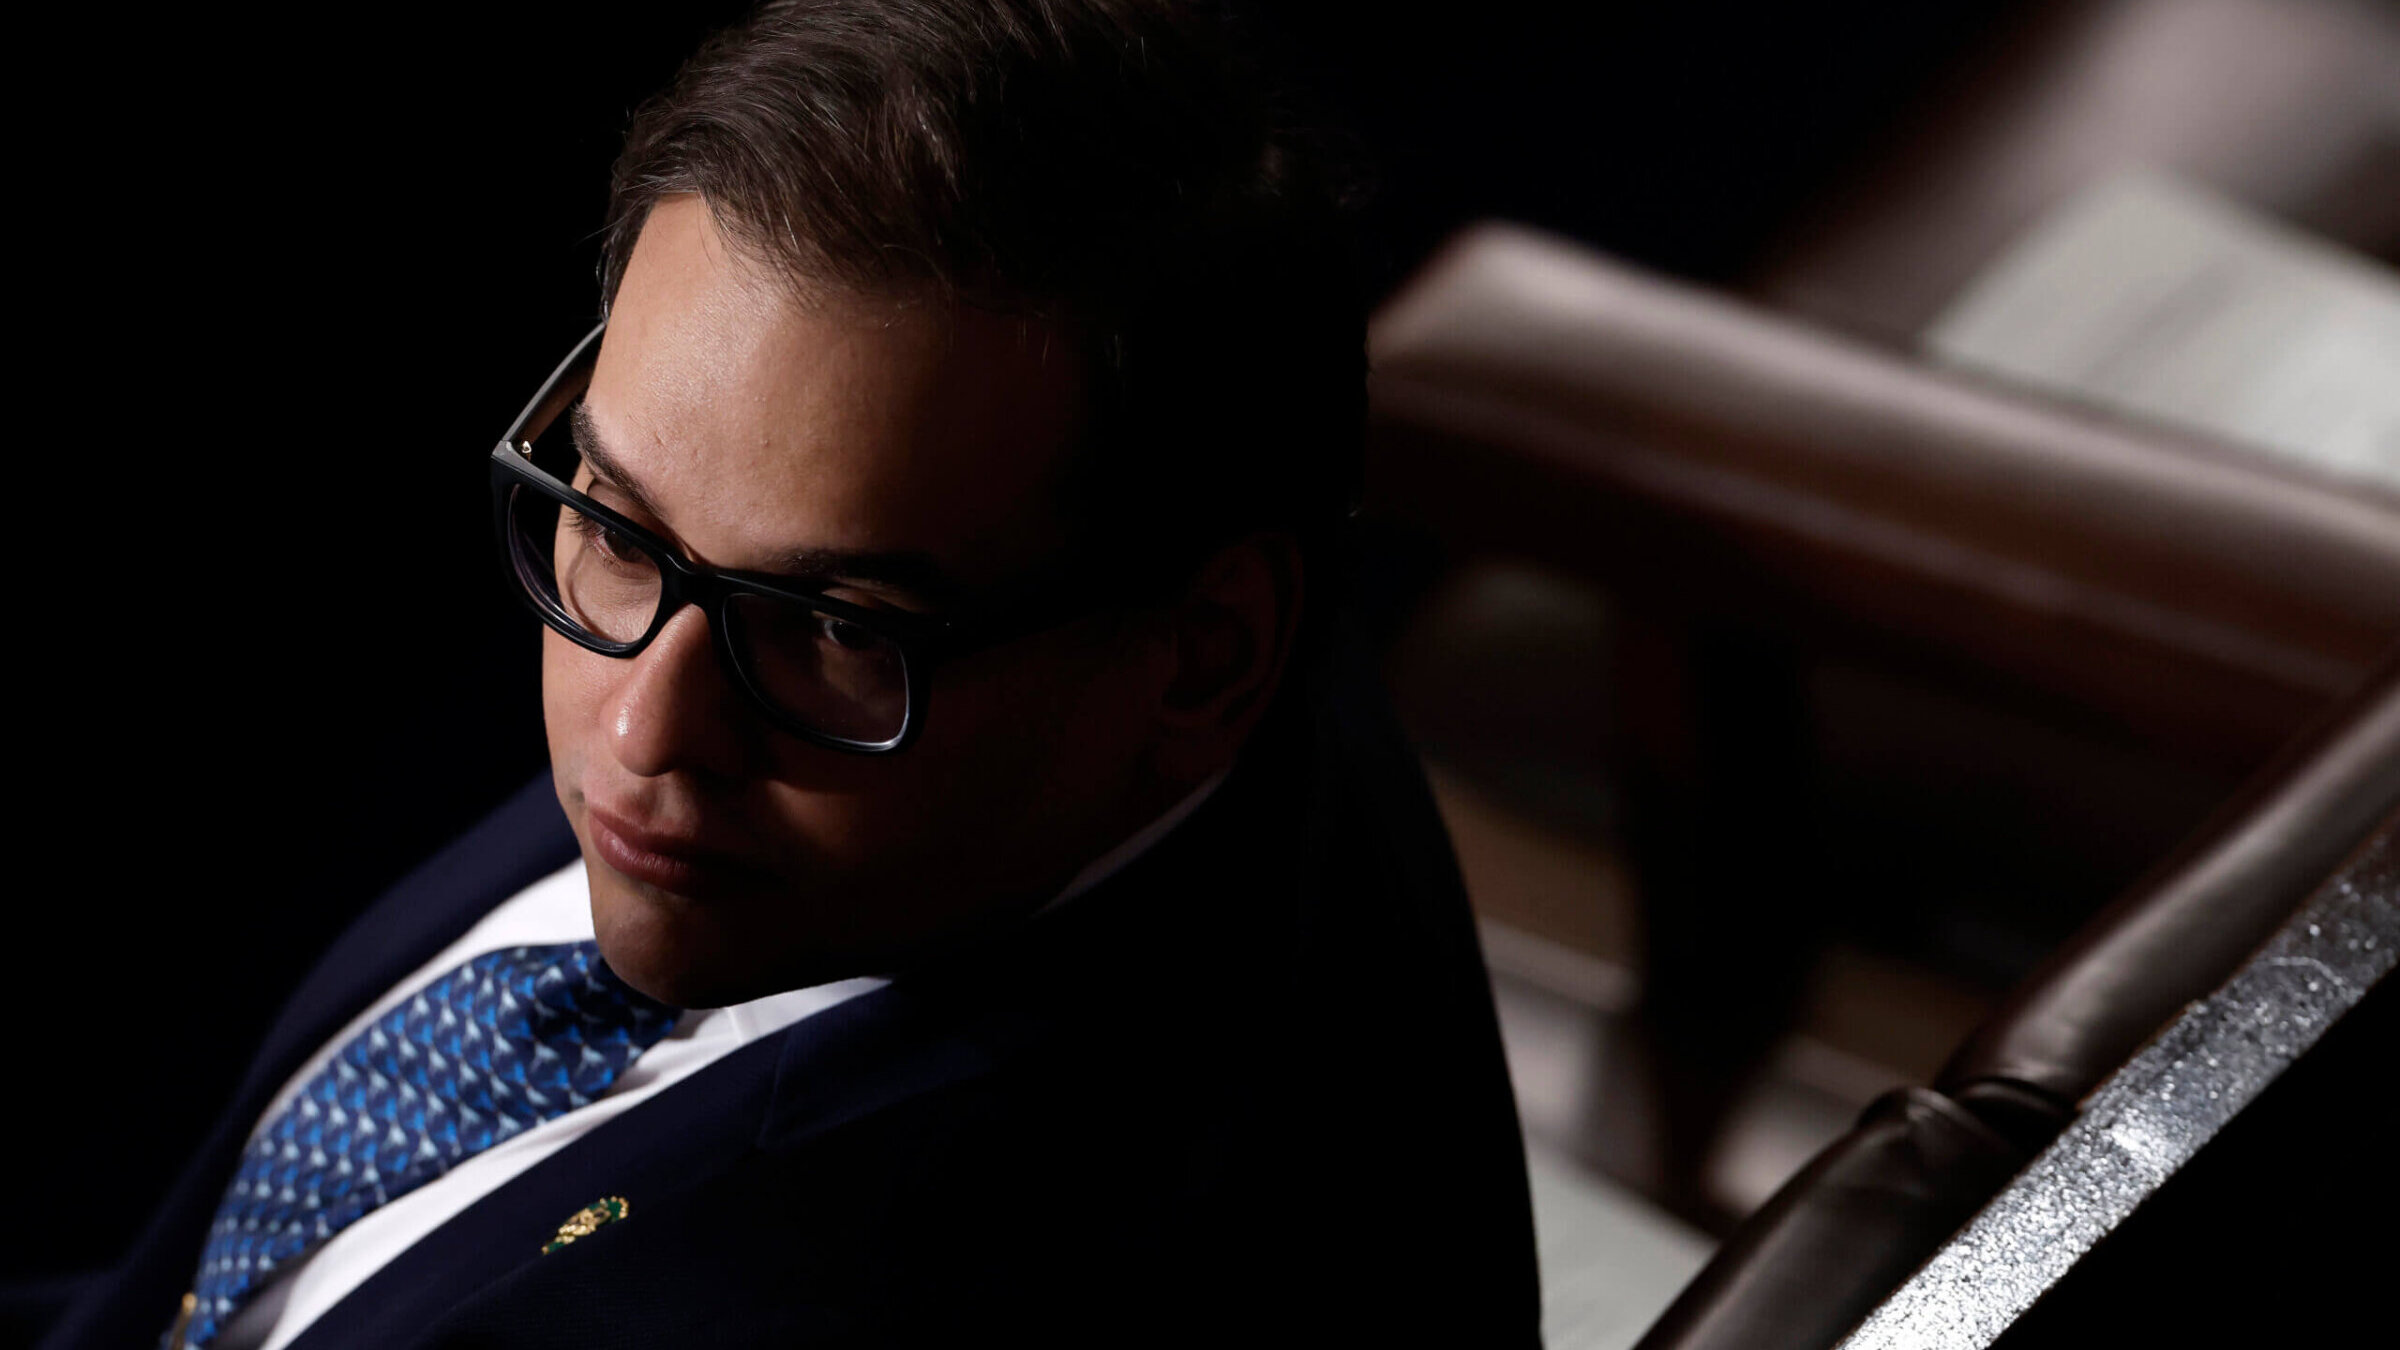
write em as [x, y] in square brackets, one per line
[525, 839]
[772, 1096]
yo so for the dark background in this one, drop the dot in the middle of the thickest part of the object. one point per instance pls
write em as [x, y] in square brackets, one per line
[281, 280]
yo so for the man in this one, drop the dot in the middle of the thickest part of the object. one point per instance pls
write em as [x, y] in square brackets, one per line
[970, 898]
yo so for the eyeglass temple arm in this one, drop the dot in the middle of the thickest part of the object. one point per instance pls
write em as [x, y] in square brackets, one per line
[558, 391]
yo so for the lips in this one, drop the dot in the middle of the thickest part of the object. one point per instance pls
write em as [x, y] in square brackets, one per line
[671, 862]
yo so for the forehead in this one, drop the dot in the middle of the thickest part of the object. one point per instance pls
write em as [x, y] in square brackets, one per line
[762, 421]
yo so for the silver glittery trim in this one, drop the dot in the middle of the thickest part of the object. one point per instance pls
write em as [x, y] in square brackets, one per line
[2154, 1114]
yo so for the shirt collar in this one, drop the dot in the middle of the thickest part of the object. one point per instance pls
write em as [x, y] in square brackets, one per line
[1140, 842]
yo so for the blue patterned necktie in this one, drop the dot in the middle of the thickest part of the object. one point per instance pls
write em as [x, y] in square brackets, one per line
[502, 1043]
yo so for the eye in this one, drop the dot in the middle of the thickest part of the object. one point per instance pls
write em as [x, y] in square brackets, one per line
[845, 635]
[611, 545]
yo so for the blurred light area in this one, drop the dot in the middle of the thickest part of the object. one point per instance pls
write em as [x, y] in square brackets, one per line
[2150, 297]
[1610, 1263]
[2290, 106]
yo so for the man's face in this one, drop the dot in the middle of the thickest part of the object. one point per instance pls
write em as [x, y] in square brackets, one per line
[913, 450]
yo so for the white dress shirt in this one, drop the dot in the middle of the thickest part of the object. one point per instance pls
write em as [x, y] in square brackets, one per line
[556, 909]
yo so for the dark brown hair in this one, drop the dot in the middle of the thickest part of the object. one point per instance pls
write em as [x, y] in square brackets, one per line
[1121, 166]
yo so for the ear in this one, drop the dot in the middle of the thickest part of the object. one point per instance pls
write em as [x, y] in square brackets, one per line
[1231, 633]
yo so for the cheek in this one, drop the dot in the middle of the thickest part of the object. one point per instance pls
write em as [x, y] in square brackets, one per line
[572, 692]
[1048, 742]
[969, 802]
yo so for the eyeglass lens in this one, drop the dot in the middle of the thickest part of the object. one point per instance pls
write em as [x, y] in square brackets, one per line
[829, 675]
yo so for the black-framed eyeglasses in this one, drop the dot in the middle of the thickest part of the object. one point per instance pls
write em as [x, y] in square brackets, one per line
[842, 675]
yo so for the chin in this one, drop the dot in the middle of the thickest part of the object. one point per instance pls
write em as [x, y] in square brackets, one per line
[665, 945]
[698, 954]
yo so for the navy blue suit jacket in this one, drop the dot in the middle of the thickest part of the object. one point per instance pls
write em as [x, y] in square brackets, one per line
[1249, 1089]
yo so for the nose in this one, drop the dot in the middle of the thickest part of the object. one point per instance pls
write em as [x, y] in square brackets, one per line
[676, 709]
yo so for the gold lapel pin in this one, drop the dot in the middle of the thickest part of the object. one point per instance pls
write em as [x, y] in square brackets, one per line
[586, 1221]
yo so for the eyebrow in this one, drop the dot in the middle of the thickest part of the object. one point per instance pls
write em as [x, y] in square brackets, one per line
[605, 465]
[911, 573]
